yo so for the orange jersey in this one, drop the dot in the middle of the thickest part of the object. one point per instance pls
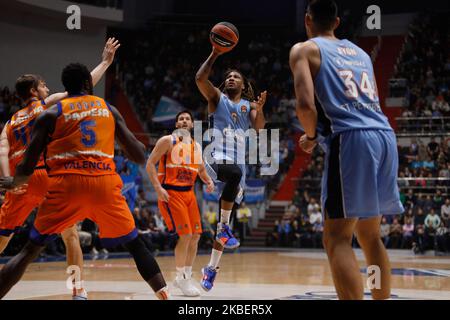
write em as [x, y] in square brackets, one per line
[179, 167]
[18, 131]
[83, 139]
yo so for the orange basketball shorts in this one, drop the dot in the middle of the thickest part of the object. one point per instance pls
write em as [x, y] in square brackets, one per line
[181, 213]
[72, 198]
[17, 207]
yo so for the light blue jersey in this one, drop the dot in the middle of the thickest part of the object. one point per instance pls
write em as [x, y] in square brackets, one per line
[346, 89]
[230, 121]
[361, 163]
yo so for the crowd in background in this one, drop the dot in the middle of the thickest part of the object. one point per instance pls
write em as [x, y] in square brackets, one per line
[425, 63]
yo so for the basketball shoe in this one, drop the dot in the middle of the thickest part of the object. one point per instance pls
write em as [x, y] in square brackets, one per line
[225, 236]
[209, 275]
[187, 287]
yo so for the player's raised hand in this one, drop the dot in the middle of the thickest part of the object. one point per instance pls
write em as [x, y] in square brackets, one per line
[110, 49]
[307, 145]
[261, 101]
[163, 195]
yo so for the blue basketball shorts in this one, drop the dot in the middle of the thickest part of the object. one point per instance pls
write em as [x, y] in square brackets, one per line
[360, 175]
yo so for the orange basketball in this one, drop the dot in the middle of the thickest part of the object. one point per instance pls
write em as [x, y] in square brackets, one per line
[224, 36]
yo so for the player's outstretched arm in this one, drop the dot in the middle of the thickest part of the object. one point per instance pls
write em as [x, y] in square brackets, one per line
[108, 54]
[304, 92]
[207, 89]
[4, 153]
[161, 148]
[133, 148]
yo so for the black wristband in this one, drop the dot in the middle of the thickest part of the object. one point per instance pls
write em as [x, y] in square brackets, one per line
[313, 138]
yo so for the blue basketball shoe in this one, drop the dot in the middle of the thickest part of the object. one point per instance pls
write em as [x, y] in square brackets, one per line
[209, 275]
[225, 237]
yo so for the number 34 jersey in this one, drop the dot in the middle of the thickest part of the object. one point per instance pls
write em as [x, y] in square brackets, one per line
[18, 132]
[83, 140]
[345, 87]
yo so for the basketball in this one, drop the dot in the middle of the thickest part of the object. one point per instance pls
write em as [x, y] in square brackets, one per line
[224, 36]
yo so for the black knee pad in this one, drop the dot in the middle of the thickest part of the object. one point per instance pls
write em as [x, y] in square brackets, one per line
[231, 174]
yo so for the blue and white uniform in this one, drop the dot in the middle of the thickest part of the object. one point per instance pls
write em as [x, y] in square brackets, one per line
[361, 163]
[228, 125]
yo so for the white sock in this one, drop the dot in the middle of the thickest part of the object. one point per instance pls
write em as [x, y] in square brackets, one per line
[225, 216]
[188, 272]
[180, 273]
[215, 258]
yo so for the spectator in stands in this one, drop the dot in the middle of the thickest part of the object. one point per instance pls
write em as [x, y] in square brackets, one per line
[432, 220]
[297, 200]
[442, 238]
[408, 233]
[428, 204]
[432, 223]
[285, 233]
[402, 183]
[313, 206]
[438, 200]
[300, 233]
[272, 238]
[395, 234]
[243, 215]
[317, 229]
[433, 149]
[159, 232]
[211, 216]
[419, 243]
[143, 225]
[410, 199]
[385, 230]
[445, 212]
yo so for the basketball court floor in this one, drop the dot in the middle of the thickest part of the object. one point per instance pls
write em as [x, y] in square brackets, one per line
[249, 274]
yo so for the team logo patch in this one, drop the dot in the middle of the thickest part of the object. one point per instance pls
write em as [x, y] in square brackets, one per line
[197, 226]
[180, 227]
[234, 116]
[244, 109]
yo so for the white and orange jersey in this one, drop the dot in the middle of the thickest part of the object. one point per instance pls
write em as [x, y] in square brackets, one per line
[179, 167]
[83, 139]
[18, 131]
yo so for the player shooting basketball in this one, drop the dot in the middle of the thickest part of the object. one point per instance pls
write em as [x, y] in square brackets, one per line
[231, 111]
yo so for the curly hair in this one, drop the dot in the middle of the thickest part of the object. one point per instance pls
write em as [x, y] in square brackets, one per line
[248, 93]
[76, 78]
